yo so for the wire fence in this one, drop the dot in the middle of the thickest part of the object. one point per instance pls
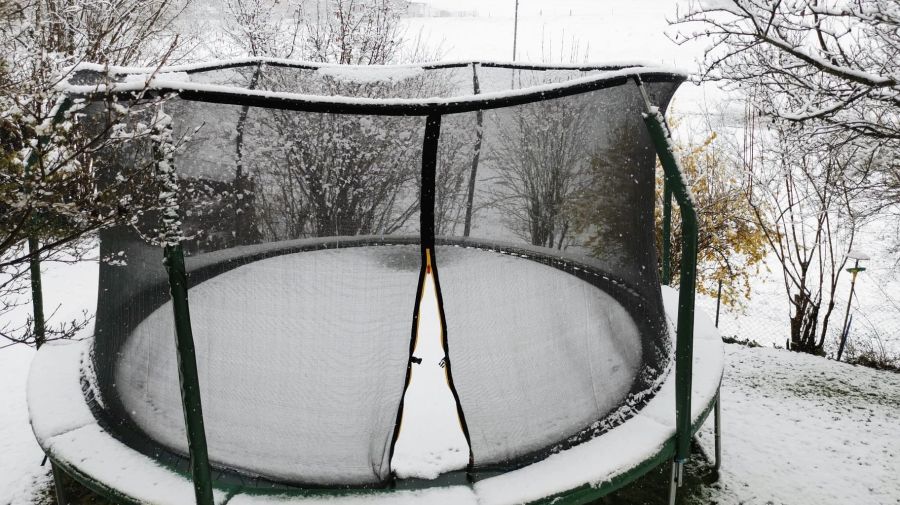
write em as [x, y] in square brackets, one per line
[873, 336]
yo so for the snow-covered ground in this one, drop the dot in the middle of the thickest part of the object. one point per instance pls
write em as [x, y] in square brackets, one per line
[21, 476]
[69, 289]
[803, 430]
[875, 306]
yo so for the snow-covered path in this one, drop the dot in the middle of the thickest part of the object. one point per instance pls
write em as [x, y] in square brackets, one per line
[799, 429]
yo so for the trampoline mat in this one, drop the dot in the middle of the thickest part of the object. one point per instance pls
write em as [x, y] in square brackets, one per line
[302, 359]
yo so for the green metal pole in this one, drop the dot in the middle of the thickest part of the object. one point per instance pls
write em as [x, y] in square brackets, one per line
[173, 254]
[37, 293]
[34, 261]
[479, 136]
[187, 375]
[684, 340]
[34, 266]
[667, 234]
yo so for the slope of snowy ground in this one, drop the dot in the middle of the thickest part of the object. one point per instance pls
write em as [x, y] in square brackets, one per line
[799, 429]
[875, 306]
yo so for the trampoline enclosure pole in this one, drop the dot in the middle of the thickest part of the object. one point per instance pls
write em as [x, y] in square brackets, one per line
[479, 136]
[187, 375]
[173, 255]
[684, 340]
[34, 263]
[667, 234]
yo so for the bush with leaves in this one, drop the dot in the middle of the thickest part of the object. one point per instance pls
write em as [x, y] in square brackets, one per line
[730, 245]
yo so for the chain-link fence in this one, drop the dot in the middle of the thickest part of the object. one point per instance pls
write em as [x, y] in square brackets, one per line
[873, 337]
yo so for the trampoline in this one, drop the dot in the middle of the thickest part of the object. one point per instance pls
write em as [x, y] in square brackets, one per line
[256, 331]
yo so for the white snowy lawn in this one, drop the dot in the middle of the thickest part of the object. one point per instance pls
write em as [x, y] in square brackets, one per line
[799, 429]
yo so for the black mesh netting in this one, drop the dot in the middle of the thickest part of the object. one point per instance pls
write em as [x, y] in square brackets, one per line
[304, 238]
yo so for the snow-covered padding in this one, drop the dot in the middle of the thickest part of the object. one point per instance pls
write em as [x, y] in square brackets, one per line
[66, 429]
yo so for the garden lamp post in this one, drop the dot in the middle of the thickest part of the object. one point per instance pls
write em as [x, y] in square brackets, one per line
[854, 270]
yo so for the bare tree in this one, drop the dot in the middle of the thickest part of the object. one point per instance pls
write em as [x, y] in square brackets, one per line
[541, 158]
[834, 62]
[456, 150]
[808, 205]
[353, 175]
[832, 66]
[263, 27]
[357, 32]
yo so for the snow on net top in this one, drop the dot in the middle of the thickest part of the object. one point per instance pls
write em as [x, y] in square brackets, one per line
[184, 79]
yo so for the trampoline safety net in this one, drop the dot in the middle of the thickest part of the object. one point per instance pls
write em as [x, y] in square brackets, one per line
[306, 223]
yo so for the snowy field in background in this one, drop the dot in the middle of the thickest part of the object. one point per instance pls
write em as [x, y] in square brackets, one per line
[565, 31]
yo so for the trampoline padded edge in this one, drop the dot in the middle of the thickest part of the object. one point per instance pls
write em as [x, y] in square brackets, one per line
[67, 430]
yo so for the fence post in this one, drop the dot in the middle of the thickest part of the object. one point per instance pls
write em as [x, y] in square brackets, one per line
[718, 302]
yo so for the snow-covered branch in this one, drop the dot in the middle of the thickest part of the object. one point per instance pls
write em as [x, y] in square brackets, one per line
[834, 63]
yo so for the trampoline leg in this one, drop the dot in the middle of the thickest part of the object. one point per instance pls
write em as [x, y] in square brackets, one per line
[717, 419]
[58, 485]
[675, 483]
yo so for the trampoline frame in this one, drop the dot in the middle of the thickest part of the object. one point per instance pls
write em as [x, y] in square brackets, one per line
[674, 184]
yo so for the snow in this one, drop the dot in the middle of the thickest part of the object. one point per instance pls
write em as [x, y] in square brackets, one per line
[21, 476]
[458, 495]
[431, 441]
[325, 330]
[57, 396]
[858, 255]
[625, 446]
[67, 290]
[159, 83]
[113, 464]
[367, 75]
[537, 354]
[67, 430]
[876, 302]
[802, 430]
